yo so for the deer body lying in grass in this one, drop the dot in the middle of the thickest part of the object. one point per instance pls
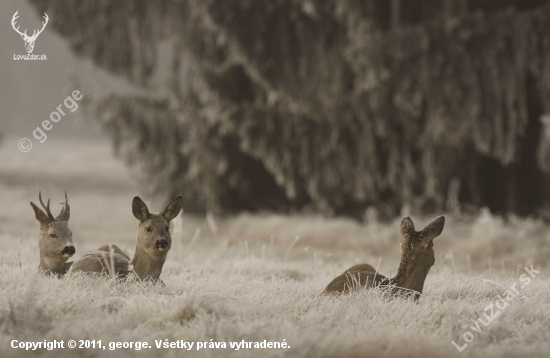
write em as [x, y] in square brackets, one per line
[55, 241]
[153, 244]
[417, 257]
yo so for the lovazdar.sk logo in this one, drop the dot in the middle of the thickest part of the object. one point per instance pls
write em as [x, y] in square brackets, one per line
[29, 40]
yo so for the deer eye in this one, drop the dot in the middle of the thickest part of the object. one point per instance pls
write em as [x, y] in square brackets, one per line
[167, 228]
[53, 236]
[148, 229]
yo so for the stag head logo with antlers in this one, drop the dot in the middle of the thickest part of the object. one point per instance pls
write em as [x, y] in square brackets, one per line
[29, 40]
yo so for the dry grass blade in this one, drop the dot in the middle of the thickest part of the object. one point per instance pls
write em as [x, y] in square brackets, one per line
[290, 247]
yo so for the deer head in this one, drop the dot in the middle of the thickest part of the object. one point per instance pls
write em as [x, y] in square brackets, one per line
[154, 229]
[417, 254]
[55, 241]
[29, 40]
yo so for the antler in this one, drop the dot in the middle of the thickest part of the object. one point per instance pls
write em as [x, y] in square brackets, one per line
[66, 203]
[34, 35]
[35, 32]
[47, 208]
[13, 20]
[65, 210]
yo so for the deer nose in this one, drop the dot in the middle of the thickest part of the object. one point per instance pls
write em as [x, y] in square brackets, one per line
[68, 250]
[161, 244]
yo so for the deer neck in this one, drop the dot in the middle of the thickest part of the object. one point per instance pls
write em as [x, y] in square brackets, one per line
[147, 266]
[411, 273]
[53, 266]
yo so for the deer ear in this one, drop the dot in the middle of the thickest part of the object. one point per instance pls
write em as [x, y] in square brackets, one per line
[41, 217]
[65, 212]
[407, 227]
[173, 209]
[139, 209]
[433, 229]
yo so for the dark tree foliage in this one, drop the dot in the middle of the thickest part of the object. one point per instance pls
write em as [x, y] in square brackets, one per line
[325, 105]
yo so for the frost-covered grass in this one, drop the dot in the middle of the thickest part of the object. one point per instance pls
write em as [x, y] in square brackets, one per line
[247, 278]
[217, 293]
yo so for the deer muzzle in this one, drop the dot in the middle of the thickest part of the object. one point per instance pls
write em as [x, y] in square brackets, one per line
[162, 245]
[68, 251]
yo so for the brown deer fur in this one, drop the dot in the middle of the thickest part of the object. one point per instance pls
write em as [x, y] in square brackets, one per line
[153, 244]
[417, 257]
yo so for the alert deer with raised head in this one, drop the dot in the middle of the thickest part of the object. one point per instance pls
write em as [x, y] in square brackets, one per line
[55, 241]
[153, 244]
[417, 257]
[29, 40]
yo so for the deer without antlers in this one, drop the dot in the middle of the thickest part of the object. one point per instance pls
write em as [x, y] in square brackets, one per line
[29, 40]
[55, 241]
[153, 244]
[417, 257]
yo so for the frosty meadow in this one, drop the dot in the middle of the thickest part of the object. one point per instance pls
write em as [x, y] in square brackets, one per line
[241, 281]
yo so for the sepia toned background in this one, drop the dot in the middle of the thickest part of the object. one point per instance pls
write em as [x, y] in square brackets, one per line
[328, 107]
[299, 132]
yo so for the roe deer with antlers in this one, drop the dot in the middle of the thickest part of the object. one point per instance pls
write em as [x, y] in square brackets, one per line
[55, 241]
[417, 257]
[153, 244]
